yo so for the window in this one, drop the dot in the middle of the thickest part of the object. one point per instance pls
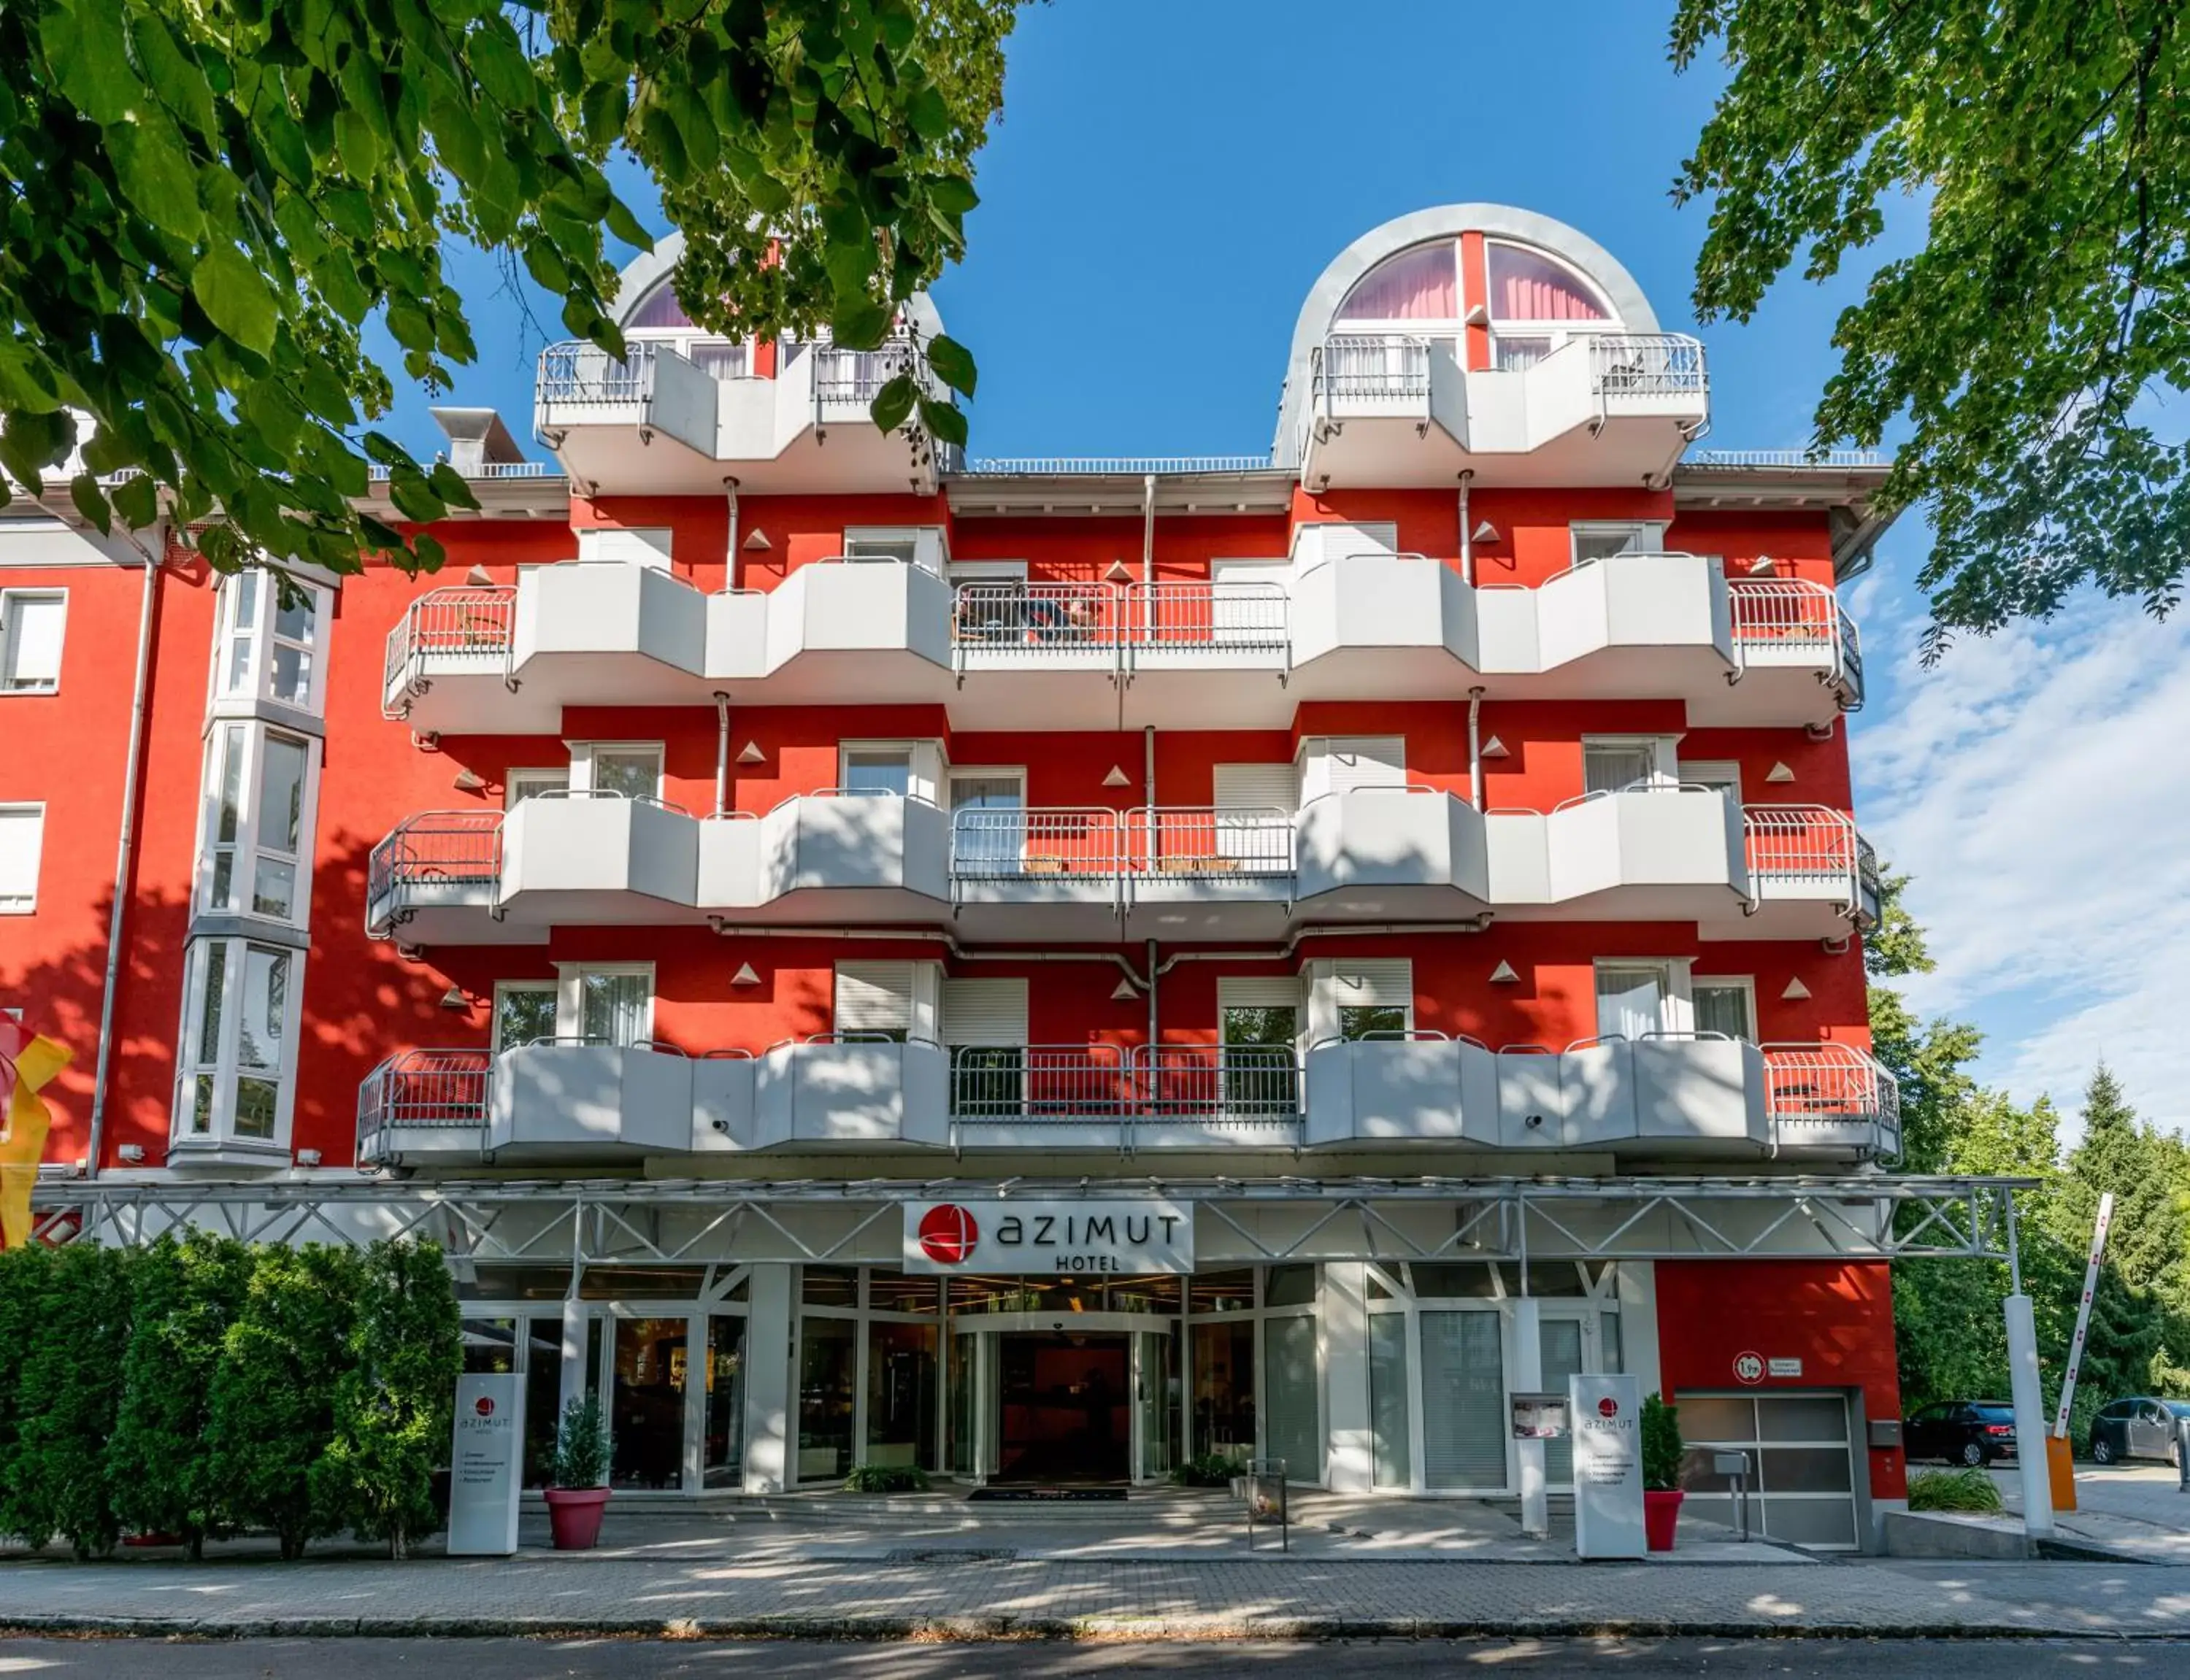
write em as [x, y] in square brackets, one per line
[1637, 998]
[1340, 764]
[1527, 285]
[520, 785]
[257, 822]
[906, 544]
[1354, 997]
[895, 1000]
[1258, 1030]
[632, 769]
[239, 1039]
[607, 1002]
[1602, 541]
[1724, 774]
[22, 840]
[268, 641]
[524, 1013]
[901, 769]
[988, 821]
[1612, 764]
[1255, 807]
[31, 624]
[1726, 1006]
[1420, 284]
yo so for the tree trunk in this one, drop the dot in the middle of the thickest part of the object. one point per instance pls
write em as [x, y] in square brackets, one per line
[398, 1543]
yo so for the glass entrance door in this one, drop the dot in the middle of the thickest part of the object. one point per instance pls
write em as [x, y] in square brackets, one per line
[1093, 1401]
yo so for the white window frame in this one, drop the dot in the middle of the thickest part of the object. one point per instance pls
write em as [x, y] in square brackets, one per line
[1724, 773]
[222, 1063]
[1651, 531]
[1743, 983]
[649, 546]
[582, 755]
[26, 904]
[986, 571]
[929, 550]
[246, 848]
[553, 988]
[514, 778]
[1664, 750]
[571, 997]
[11, 602]
[1677, 998]
[263, 589]
[928, 772]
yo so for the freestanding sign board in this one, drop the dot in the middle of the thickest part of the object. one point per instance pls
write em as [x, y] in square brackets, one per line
[1607, 1465]
[485, 1465]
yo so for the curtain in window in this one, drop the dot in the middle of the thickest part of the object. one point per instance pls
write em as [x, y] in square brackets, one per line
[612, 1007]
[1464, 1421]
[1421, 285]
[1527, 287]
[1630, 1002]
[1607, 769]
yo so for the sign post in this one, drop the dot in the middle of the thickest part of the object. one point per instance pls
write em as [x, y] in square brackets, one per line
[485, 1464]
[1606, 1414]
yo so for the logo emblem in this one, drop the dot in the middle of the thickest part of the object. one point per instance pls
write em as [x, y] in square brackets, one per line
[1749, 1368]
[948, 1233]
[1607, 1407]
[484, 1406]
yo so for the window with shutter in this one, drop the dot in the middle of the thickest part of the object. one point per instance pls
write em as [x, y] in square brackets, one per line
[984, 1012]
[1255, 805]
[1612, 764]
[649, 546]
[875, 1000]
[30, 641]
[1341, 540]
[22, 842]
[1340, 764]
[1356, 998]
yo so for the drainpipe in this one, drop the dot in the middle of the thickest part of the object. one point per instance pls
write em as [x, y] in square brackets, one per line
[1466, 532]
[1149, 791]
[722, 732]
[1475, 748]
[125, 851]
[730, 548]
[1148, 555]
[1152, 999]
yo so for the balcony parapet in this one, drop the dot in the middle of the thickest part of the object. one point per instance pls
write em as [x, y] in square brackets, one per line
[1670, 1096]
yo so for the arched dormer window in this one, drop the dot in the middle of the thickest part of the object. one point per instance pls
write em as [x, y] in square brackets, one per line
[1536, 303]
[1418, 285]
[659, 317]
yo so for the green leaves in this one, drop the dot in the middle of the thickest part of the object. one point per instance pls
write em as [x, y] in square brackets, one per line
[88, 49]
[893, 404]
[236, 297]
[154, 173]
[953, 364]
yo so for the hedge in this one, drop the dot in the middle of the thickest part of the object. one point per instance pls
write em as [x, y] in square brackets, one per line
[202, 1386]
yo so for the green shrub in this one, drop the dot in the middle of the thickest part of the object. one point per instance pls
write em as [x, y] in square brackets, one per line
[1971, 1490]
[581, 1444]
[392, 1403]
[887, 1478]
[1210, 1469]
[272, 1413]
[69, 1393]
[1662, 1446]
[185, 1294]
[23, 1273]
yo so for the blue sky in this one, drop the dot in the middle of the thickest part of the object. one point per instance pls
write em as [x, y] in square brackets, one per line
[1170, 177]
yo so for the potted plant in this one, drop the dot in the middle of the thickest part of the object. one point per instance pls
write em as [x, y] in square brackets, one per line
[1662, 1447]
[577, 1489]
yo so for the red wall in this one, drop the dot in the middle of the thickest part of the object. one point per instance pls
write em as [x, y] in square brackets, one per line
[1837, 1318]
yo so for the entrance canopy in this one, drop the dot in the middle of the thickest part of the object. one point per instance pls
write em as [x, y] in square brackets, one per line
[698, 1222]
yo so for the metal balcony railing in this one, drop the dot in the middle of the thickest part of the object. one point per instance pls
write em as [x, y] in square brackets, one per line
[1095, 843]
[1795, 615]
[1372, 366]
[1801, 850]
[1080, 844]
[1038, 618]
[1642, 364]
[1812, 1087]
[581, 373]
[440, 1090]
[1225, 1084]
[1202, 842]
[850, 379]
[446, 631]
[995, 622]
[435, 850]
[1229, 616]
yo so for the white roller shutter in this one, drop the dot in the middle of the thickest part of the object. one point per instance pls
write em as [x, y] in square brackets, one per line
[1255, 790]
[1339, 764]
[1256, 992]
[22, 839]
[1339, 539]
[887, 997]
[1337, 983]
[984, 1012]
[31, 640]
[643, 547]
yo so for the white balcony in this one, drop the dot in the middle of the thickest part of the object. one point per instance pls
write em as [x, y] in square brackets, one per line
[573, 857]
[656, 422]
[1646, 854]
[1392, 854]
[1668, 1099]
[507, 659]
[1390, 410]
[1812, 875]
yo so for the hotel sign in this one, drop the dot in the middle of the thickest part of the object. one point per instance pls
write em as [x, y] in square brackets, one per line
[1071, 1238]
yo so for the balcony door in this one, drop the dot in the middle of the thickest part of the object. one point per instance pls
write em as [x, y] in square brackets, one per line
[984, 1028]
[988, 821]
[1615, 764]
[1258, 1035]
[524, 1013]
[1255, 807]
[607, 1002]
[1637, 999]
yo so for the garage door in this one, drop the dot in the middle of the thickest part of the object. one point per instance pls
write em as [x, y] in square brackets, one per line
[1801, 1489]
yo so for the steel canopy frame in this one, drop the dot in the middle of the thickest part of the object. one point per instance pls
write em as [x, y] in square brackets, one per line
[577, 1223]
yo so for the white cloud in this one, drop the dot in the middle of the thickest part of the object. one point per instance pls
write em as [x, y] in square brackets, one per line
[2037, 785]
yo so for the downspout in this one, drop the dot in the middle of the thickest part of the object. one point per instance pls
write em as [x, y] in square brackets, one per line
[722, 733]
[730, 547]
[1466, 536]
[1148, 555]
[1148, 793]
[125, 851]
[1475, 748]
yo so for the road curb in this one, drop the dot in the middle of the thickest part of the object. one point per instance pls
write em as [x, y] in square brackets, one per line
[1001, 1629]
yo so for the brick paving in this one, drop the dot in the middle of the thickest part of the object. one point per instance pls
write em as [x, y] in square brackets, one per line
[1235, 1597]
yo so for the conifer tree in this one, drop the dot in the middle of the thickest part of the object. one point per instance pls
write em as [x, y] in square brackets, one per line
[68, 1395]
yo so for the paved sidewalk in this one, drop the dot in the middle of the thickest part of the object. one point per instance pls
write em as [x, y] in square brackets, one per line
[967, 1599]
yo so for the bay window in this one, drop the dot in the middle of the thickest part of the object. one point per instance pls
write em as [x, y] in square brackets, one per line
[255, 834]
[238, 1042]
[268, 641]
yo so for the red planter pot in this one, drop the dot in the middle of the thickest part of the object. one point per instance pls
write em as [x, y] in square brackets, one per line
[1661, 1513]
[574, 1516]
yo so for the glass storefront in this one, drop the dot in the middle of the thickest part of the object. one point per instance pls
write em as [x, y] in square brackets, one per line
[722, 1462]
[828, 1355]
[646, 1405]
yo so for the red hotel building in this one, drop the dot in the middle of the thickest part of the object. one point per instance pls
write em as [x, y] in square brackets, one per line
[1416, 867]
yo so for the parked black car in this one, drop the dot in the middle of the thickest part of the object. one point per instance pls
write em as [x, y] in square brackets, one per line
[1961, 1432]
[2142, 1427]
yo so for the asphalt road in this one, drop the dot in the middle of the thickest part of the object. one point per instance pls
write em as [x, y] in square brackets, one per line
[627, 1660]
